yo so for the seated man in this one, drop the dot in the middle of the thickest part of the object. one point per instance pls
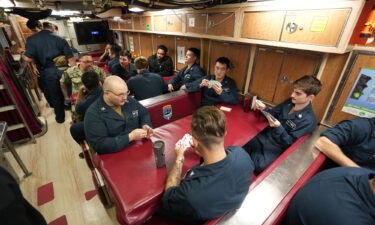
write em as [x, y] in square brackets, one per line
[216, 94]
[338, 196]
[350, 143]
[115, 120]
[191, 72]
[160, 63]
[215, 186]
[88, 93]
[105, 56]
[73, 74]
[292, 119]
[114, 55]
[124, 69]
[145, 84]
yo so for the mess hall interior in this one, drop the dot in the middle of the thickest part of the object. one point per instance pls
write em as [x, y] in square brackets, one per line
[177, 112]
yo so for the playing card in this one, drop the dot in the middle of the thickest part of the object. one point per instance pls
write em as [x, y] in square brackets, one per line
[253, 102]
[185, 141]
[267, 114]
[212, 82]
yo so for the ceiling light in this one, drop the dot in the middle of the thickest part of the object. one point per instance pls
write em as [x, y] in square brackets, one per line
[7, 4]
[135, 9]
[64, 13]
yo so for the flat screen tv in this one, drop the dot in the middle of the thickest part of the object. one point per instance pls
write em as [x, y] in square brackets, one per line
[92, 32]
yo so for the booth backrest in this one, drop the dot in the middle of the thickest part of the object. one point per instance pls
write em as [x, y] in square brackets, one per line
[271, 192]
[169, 107]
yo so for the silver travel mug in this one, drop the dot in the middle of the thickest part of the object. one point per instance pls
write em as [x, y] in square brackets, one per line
[158, 148]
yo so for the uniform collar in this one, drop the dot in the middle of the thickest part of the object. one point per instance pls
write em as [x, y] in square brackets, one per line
[45, 31]
[210, 169]
[295, 115]
[144, 72]
[107, 111]
[95, 91]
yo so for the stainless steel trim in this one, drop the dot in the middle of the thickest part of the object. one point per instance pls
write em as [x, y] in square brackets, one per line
[264, 198]
[150, 101]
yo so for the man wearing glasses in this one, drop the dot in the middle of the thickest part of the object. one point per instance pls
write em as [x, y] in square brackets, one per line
[115, 119]
[73, 75]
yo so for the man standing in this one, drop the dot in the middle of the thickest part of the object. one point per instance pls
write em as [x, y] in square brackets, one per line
[350, 143]
[191, 72]
[160, 63]
[215, 186]
[290, 120]
[145, 84]
[115, 120]
[124, 69]
[74, 74]
[42, 48]
[222, 91]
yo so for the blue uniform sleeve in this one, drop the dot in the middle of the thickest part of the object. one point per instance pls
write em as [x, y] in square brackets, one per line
[229, 96]
[195, 74]
[66, 48]
[194, 86]
[285, 139]
[83, 105]
[175, 201]
[347, 132]
[167, 68]
[30, 49]
[178, 78]
[144, 116]
[97, 134]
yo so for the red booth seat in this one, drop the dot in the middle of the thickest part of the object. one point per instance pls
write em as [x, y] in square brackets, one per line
[166, 79]
[179, 104]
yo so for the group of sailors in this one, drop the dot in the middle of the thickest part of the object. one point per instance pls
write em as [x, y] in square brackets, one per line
[110, 119]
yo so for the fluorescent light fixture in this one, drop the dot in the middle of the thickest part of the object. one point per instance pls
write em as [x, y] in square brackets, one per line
[117, 18]
[135, 9]
[64, 13]
[6, 4]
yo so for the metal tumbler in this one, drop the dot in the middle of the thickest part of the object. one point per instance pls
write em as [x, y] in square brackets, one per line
[158, 148]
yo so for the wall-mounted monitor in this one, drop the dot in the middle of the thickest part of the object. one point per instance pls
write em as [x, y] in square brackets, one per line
[92, 32]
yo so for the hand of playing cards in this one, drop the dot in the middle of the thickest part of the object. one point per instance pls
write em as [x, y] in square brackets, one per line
[213, 82]
[184, 142]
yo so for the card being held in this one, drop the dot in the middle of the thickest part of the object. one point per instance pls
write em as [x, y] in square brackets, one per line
[185, 141]
[212, 82]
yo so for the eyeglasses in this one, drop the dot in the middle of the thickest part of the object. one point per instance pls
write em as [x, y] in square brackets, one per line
[120, 95]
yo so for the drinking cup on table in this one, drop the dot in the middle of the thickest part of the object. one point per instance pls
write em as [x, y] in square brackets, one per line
[158, 148]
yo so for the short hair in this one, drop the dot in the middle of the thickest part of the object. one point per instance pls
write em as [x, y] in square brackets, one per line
[83, 55]
[195, 51]
[33, 24]
[164, 48]
[141, 63]
[209, 125]
[309, 84]
[90, 79]
[115, 49]
[224, 60]
[47, 25]
[125, 53]
[56, 27]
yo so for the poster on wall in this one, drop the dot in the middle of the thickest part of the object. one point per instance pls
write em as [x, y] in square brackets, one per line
[181, 54]
[131, 43]
[361, 100]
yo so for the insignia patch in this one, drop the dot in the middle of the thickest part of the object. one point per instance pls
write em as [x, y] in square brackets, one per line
[191, 174]
[135, 113]
[103, 108]
[167, 112]
[290, 124]
[299, 116]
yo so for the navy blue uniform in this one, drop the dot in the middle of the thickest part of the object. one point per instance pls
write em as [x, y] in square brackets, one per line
[106, 131]
[14, 208]
[164, 67]
[209, 96]
[146, 85]
[186, 76]
[77, 130]
[209, 191]
[356, 138]
[338, 196]
[121, 72]
[272, 141]
[112, 63]
[43, 47]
